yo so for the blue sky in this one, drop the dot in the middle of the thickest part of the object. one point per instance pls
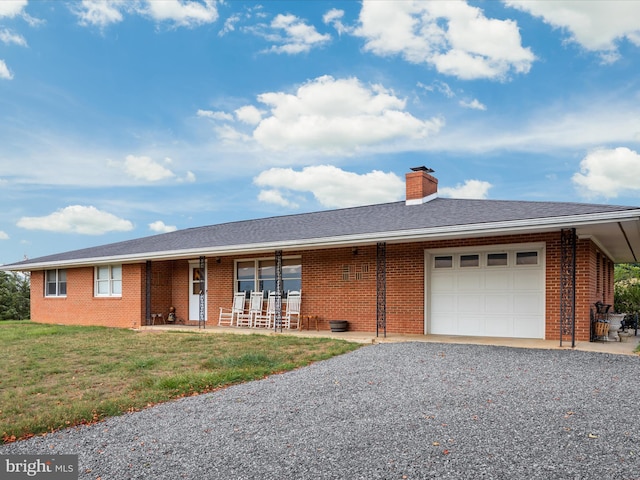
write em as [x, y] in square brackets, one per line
[122, 119]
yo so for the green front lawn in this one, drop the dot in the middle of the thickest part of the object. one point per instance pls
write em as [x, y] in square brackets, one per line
[57, 376]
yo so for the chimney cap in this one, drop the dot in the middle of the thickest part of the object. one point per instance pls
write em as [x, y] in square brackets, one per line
[422, 169]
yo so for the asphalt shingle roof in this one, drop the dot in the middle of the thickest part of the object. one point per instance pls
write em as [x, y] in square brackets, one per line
[365, 220]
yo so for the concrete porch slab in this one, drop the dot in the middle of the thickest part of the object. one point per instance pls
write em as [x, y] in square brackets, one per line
[622, 348]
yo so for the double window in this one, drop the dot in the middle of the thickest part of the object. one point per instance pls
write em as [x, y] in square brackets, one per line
[55, 283]
[260, 275]
[108, 281]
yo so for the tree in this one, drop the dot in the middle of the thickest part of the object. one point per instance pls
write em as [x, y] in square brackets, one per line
[627, 288]
[14, 296]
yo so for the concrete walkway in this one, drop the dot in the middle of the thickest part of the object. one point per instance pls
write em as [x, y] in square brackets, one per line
[624, 348]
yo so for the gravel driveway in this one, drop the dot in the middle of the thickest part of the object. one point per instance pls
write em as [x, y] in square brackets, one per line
[388, 411]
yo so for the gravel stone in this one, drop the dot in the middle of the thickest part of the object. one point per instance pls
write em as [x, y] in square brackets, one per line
[386, 411]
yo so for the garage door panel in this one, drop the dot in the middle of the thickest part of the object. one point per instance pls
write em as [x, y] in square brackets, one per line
[472, 324]
[499, 300]
[470, 303]
[445, 303]
[498, 326]
[528, 304]
[498, 279]
[527, 280]
[470, 281]
[499, 304]
[528, 326]
[443, 283]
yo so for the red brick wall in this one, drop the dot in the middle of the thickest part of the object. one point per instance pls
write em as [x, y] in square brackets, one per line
[336, 284]
[80, 307]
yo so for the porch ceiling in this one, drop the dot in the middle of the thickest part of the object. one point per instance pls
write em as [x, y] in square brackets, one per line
[620, 240]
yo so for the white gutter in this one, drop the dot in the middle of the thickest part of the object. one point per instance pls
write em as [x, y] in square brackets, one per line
[398, 236]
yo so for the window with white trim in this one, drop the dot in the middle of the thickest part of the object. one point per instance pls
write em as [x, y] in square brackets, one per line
[497, 259]
[260, 275]
[527, 258]
[443, 261]
[108, 281]
[472, 260]
[55, 283]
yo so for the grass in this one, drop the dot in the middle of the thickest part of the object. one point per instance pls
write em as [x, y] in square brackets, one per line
[57, 376]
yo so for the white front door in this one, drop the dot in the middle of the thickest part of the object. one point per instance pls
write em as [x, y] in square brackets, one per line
[195, 274]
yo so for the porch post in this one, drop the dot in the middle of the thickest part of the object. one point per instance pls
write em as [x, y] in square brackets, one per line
[381, 288]
[279, 292]
[201, 299]
[568, 285]
[147, 300]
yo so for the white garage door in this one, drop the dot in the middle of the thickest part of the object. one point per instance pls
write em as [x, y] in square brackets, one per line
[497, 293]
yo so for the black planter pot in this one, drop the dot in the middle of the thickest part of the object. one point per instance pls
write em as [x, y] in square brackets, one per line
[338, 325]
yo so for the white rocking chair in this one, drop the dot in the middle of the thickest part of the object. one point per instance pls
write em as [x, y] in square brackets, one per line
[255, 308]
[266, 319]
[228, 315]
[291, 318]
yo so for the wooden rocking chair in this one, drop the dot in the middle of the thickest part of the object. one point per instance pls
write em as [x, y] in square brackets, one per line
[227, 315]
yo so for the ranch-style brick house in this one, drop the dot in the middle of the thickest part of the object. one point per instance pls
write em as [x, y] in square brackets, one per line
[426, 265]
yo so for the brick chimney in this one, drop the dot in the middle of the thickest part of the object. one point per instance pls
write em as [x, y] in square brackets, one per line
[421, 186]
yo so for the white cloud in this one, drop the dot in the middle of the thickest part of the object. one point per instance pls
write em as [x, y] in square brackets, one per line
[331, 186]
[7, 37]
[473, 104]
[338, 116]
[77, 219]
[12, 8]
[334, 17]
[4, 235]
[160, 227]
[186, 13]
[229, 25]
[298, 36]
[596, 25]
[5, 73]
[249, 114]
[144, 168]
[214, 115]
[100, 13]
[181, 13]
[609, 172]
[550, 129]
[276, 197]
[470, 189]
[190, 177]
[452, 36]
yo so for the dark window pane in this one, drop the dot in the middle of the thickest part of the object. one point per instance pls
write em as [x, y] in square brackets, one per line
[497, 259]
[443, 262]
[469, 260]
[527, 258]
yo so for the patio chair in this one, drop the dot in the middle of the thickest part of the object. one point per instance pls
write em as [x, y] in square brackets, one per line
[291, 318]
[255, 307]
[227, 315]
[266, 319]
[630, 322]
